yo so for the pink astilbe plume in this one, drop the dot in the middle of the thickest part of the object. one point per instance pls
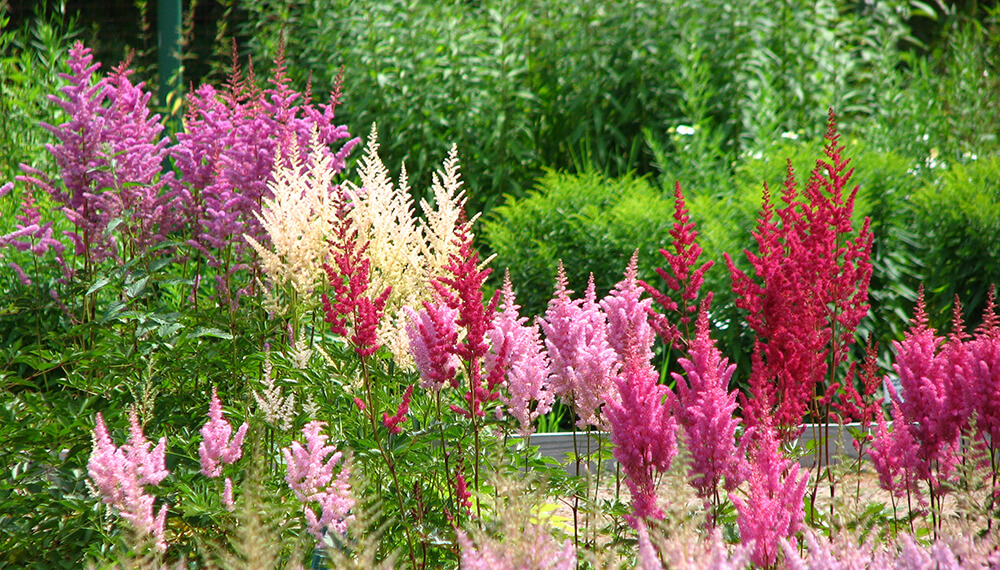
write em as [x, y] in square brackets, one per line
[773, 509]
[352, 304]
[683, 279]
[433, 334]
[518, 358]
[534, 548]
[582, 362]
[311, 476]
[811, 287]
[643, 427]
[121, 473]
[31, 234]
[392, 422]
[893, 454]
[461, 289]
[705, 409]
[216, 447]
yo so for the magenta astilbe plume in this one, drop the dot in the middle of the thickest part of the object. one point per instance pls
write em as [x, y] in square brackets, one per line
[392, 422]
[517, 356]
[982, 378]
[643, 427]
[121, 473]
[352, 304]
[216, 447]
[311, 476]
[433, 335]
[461, 289]
[684, 279]
[582, 362]
[773, 509]
[705, 409]
[893, 454]
[32, 235]
[811, 286]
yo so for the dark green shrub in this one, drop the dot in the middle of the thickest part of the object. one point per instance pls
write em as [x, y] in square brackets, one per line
[590, 222]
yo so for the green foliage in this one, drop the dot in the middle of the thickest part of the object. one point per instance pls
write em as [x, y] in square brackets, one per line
[590, 222]
[958, 214]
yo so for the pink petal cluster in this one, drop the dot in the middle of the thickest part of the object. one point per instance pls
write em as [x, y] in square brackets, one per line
[216, 446]
[517, 358]
[311, 476]
[773, 510]
[31, 234]
[705, 410]
[535, 548]
[810, 291]
[643, 427]
[121, 473]
[433, 334]
[392, 422]
[582, 362]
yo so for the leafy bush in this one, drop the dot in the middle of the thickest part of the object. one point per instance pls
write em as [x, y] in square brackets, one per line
[591, 223]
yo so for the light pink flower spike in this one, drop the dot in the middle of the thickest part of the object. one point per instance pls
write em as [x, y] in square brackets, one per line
[216, 448]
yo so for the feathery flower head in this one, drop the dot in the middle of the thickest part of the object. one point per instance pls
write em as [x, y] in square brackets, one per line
[310, 474]
[216, 447]
[433, 336]
[629, 332]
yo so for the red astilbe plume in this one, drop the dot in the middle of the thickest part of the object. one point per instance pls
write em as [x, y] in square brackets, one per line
[705, 410]
[811, 287]
[683, 279]
[643, 427]
[433, 336]
[461, 289]
[392, 422]
[773, 509]
[352, 304]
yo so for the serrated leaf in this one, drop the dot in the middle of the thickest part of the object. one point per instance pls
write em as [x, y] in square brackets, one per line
[98, 285]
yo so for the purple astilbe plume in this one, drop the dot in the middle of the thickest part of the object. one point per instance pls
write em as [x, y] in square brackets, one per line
[683, 278]
[582, 363]
[110, 157]
[811, 288]
[773, 509]
[32, 235]
[216, 447]
[705, 410]
[352, 304]
[121, 473]
[643, 427]
[311, 476]
[433, 334]
[517, 355]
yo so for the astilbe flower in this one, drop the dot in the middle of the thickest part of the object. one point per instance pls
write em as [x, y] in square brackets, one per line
[582, 362]
[648, 559]
[110, 157]
[278, 410]
[392, 422]
[683, 278]
[219, 445]
[298, 219]
[773, 509]
[433, 334]
[121, 473]
[811, 288]
[352, 304]
[705, 410]
[310, 475]
[981, 377]
[32, 235]
[533, 548]
[893, 454]
[518, 358]
[643, 427]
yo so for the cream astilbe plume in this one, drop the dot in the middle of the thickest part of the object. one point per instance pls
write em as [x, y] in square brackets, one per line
[297, 219]
[405, 252]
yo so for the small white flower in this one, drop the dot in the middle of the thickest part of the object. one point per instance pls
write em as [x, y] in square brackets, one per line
[685, 130]
[790, 135]
[925, 138]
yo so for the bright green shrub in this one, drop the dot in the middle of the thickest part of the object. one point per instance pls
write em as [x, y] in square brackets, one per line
[590, 222]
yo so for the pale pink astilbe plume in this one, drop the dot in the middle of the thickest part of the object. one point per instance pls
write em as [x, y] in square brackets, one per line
[121, 473]
[705, 410]
[912, 556]
[647, 559]
[216, 447]
[629, 331]
[643, 427]
[311, 476]
[683, 278]
[433, 334]
[684, 552]
[518, 357]
[227, 495]
[582, 363]
[831, 554]
[533, 548]
[773, 509]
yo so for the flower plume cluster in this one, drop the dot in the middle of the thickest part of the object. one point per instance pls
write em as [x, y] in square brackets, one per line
[311, 476]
